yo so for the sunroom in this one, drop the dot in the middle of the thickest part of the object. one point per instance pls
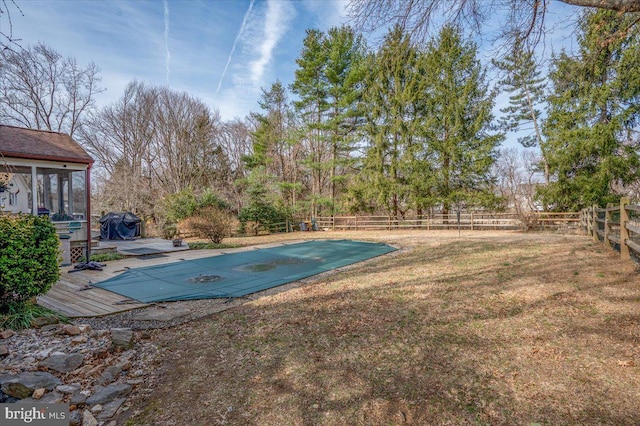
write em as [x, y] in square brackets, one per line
[48, 173]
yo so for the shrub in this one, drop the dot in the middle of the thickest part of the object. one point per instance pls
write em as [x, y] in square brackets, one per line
[263, 214]
[29, 254]
[186, 203]
[212, 223]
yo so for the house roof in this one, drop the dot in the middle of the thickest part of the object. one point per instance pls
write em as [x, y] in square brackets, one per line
[18, 142]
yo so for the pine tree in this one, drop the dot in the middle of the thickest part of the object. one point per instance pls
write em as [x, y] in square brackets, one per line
[275, 151]
[344, 72]
[524, 82]
[310, 85]
[460, 141]
[391, 92]
[593, 111]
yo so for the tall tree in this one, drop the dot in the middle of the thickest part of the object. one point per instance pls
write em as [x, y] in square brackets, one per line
[275, 149]
[391, 91]
[41, 89]
[345, 73]
[526, 86]
[119, 138]
[593, 113]
[461, 142]
[310, 85]
[525, 19]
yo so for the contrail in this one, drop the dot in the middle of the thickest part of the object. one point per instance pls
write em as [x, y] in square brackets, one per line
[167, 60]
[233, 48]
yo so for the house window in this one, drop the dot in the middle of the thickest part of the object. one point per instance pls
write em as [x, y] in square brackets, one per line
[61, 194]
[13, 199]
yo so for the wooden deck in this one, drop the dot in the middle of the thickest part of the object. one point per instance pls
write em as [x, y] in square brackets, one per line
[74, 297]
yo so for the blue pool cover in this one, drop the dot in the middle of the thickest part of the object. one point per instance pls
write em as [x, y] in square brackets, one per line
[239, 274]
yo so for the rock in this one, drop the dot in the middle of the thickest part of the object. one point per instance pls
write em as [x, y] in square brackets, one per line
[88, 419]
[75, 418]
[78, 339]
[111, 408]
[24, 384]
[42, 321]
[96, 408]
[63, 363]
[85, 328]
[122, 337]
[48, 398]
[38, 393]
[6, 399]
[104, 395]
[78, 398]
[71, 330]
[43, 354]
[109, 375]
[4, 351]
[51, 327]
[68, 389]
[5, 334]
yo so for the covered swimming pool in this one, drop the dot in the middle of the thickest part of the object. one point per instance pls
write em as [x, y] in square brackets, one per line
[240, 274]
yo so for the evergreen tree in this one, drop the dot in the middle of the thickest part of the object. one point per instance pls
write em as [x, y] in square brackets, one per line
[310, 85]
[592, 114]
[391, 93]
[524, 82]
[458, 127]
[275, 150]
[344, 72]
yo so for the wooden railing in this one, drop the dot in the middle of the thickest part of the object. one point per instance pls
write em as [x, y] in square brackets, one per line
[617, 226]
[465, 221]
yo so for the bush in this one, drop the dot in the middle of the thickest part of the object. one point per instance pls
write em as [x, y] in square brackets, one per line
[212, 223]
[186, 203]
[29, 255]
[263, 214]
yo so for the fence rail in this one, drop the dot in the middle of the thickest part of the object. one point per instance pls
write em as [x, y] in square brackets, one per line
[465, 221]
[617, 226]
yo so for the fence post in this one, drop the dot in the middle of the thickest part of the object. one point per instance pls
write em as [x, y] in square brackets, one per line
[607, 224]
[472, 221]
[356, 222]
[595, 223]
[624, 232]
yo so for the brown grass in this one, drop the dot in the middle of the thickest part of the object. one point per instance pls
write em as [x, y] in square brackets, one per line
[493, 328]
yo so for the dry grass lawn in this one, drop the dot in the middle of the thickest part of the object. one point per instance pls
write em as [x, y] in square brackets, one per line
[492, 328]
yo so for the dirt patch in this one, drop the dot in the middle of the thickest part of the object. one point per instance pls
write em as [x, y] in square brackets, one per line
[490, 328]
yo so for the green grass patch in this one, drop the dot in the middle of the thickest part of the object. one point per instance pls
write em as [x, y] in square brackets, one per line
[21, 315]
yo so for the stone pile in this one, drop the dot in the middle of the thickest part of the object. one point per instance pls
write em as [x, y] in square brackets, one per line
[91, 370]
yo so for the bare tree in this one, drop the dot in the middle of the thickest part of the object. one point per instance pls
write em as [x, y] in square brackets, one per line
[151, 143]
[525, 18]
[185, 148]
[119, 137]
[235, 141]
[518, 174]
[40, 89]
[7, 9]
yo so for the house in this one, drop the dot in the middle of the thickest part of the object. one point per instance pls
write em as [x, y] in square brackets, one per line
[47, 173]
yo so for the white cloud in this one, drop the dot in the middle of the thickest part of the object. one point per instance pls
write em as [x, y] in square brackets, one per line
[276, 23]
[235, 42]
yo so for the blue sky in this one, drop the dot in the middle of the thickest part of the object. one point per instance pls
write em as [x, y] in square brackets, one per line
[221, 51]
[185, 44]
